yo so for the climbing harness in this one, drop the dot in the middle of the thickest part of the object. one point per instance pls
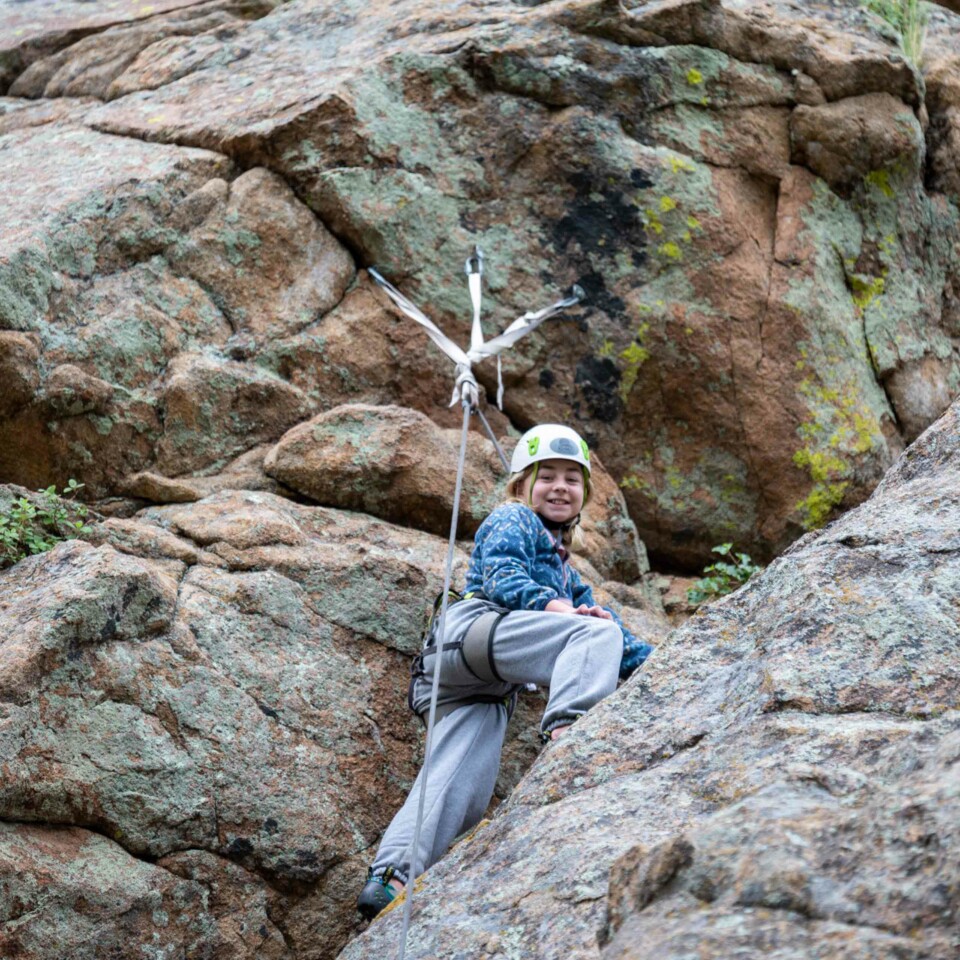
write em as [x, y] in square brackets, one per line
[478, 646]
[476, 651]
[467, 392]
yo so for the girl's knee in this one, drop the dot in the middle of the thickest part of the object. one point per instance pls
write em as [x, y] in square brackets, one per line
[611, 637]
[598, 636]
[609, 631]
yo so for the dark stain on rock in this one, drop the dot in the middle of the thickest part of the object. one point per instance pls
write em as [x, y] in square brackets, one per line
[599, 382]
[153, 607]
[600, 221]
[109, 630]
[129, 594]
[599, 296]
[306, 858]
[270, 825]
[240, 847]
[547, 378]
[267, 711]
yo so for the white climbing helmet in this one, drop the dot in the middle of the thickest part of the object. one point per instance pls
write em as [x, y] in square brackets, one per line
[548, 441]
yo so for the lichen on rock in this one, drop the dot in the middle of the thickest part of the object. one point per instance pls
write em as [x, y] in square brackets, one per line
[202, 720]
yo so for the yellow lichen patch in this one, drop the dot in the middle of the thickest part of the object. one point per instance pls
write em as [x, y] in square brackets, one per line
[632, 482]
[399, 899]
[634, 356]
[866, 290]
[694, 77]
[822, 466]
[841, 427]
[863, 433]
[678, 163]
[881, 180]
[659, 221]
[816, 507]
[472, 832]
[652, 221]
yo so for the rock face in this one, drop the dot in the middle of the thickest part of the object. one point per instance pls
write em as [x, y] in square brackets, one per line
[759, 200]
[205, 708]
[395, 463]
[202, 721]
[780, 778]
[652, 155]
[84, 894]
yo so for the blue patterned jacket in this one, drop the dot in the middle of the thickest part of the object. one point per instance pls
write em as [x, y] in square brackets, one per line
[516, 565]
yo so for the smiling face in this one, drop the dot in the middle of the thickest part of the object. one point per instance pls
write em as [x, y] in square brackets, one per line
[557, 493]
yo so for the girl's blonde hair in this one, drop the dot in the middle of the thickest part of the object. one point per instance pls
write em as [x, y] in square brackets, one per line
[572, 538]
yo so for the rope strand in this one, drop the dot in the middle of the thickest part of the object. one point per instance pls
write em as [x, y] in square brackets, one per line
[493, 439]
[435, 690]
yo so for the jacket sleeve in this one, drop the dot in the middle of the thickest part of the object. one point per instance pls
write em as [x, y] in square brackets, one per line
[635, 651]
[508, 539]
[580, 592]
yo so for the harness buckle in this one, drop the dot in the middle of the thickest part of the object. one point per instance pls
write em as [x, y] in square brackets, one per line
[416, 666]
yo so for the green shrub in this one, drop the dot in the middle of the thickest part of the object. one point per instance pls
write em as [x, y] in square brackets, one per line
[724, 576]
[908, 18]
[29, 526]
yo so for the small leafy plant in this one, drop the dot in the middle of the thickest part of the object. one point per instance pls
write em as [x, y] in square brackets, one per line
[724, 576]
[29, 526]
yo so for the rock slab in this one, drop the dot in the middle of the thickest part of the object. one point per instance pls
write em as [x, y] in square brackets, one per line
[780, 778]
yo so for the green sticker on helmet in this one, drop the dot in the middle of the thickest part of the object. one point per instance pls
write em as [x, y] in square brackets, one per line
[586, 450]
[532, 446]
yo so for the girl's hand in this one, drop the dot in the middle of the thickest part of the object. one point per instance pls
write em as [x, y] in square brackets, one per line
[586, 611]
[559, 606]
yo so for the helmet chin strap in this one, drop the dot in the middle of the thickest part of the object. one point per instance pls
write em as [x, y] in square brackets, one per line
[562, 527]
[532, 481]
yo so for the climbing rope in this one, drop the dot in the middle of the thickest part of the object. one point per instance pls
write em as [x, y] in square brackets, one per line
[467, 392]
[435, 689]
[493, 440]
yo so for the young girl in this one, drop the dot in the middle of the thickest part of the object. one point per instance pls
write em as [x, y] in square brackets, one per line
[526, 617]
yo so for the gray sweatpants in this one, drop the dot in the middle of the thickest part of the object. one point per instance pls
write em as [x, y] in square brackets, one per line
[577, 657]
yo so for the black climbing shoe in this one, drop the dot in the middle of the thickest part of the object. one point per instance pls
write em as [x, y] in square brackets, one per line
[376, 894]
